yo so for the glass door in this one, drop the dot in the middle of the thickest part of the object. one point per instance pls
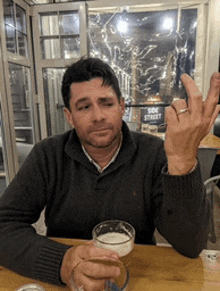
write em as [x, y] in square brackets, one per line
[60, 38]
[18, 104]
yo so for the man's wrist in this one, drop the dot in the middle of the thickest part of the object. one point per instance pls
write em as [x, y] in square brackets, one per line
[181, 167]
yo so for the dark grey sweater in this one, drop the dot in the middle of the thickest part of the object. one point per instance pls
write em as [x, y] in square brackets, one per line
[134, 188]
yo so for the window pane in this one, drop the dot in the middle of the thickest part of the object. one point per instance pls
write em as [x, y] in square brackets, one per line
[146, 47]
[71, 47]
[21, 100]
[19, 92]
[56, 122]
[9, 12]
[49, 23]
[146, 52]
[22, 44]
[69, 23]
[20, 19]
[10, 39]
[50, 48]
[188, 32]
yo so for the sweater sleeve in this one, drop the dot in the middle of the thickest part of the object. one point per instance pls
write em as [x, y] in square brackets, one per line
[184, 216]
[21, 248]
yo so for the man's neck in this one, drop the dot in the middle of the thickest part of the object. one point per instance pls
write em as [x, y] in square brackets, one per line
[102, 156]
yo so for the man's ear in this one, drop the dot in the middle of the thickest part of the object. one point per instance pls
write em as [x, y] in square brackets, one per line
[69, 116]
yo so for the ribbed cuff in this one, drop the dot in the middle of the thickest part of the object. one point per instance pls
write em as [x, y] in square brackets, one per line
[49, 260]
[182, 189]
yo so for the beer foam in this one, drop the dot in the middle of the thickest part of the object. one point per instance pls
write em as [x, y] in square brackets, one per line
[119, 242]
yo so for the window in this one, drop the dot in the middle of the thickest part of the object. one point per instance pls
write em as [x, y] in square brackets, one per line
[52, 80]
[149, 50]
[21, 100]
[15, 28]
[60, 38]
[60, 35]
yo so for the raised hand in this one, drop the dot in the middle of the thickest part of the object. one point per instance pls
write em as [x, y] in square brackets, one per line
[187, 124]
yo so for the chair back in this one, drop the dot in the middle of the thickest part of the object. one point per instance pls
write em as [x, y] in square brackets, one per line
[209, 185]
[206, 157]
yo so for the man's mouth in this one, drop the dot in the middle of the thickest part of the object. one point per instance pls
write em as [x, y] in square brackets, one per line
[99, 129]
[103, 131]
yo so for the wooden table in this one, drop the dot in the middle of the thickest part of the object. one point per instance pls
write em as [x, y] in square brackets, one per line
[211, 141]
[153, 268]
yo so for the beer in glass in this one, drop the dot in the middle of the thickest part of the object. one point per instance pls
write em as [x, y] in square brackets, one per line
[115, 235]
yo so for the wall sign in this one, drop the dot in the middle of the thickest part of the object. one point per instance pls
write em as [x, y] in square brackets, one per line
[153, 114]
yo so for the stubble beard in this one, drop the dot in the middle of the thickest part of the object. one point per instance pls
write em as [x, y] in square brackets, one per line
[99, 144]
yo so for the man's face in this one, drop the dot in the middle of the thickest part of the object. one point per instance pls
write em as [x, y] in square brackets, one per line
[95, 113]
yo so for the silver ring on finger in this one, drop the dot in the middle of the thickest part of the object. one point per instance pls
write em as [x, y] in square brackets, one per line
[182, 111]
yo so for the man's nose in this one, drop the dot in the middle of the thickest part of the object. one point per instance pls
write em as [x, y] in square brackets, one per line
[98, 113]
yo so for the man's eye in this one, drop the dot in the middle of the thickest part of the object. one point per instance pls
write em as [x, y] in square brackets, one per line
[85, 107]
[109, 104]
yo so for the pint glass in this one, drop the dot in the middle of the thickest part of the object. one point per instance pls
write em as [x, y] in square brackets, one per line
[115, 235]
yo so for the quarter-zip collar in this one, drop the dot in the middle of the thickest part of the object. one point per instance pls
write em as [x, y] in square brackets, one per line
[74, 149]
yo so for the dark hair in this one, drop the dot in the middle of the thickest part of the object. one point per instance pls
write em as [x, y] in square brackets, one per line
[87, 69]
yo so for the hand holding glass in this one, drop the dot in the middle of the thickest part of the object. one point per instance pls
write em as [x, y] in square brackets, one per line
[119, 283]
[113, 235]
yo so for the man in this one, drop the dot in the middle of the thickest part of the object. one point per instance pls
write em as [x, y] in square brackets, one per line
[99, 171]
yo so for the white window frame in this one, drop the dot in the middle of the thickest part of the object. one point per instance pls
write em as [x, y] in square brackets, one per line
[55, 63]
[6, 100]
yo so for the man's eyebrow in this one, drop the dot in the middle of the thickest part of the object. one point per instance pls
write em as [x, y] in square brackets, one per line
[82, 100]
[106, 98]
[85, 99]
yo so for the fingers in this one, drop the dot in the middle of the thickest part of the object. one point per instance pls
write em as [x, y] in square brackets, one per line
[88, 284]
[181, 109]
[99, 268]
[213, 95]
[89, 250]
[198, 108]
[195, 104]
[170, 115]
[92, 274]
[194, 95]
[178, 111]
